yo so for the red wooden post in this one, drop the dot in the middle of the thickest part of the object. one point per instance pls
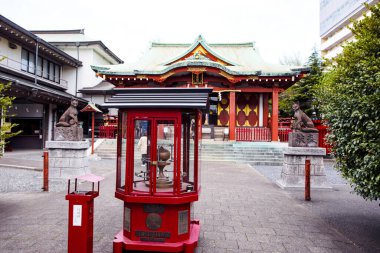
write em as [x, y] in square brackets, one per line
[274, 119]
[92, 132]
[232, 115]
[46, 171]
[307, 180]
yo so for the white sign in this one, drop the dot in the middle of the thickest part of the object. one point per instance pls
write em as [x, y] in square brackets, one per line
[77, 215]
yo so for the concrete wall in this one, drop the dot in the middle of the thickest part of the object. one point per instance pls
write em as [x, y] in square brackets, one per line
[13, 55]
[88, 55]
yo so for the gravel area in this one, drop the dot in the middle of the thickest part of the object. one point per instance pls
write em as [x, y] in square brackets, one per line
[20, 180]
[26, 180]
[273, 173]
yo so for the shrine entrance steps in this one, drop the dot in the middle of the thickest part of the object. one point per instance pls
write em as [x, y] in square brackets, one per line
[254, 153]
[107, 150]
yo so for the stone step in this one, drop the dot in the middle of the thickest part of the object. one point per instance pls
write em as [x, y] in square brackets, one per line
[248, 159]
[242, 153]
[237, 155]
[242, 149]
[238, 147]
[253, 153]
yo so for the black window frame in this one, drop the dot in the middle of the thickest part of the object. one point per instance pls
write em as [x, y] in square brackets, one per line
[49, 70]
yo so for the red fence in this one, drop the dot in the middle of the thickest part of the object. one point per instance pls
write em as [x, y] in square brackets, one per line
[322, 132]
[283, 134]
[108, 132]
[253, 134]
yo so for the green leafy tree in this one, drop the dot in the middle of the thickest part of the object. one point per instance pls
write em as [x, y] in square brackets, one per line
[5, 104]
[350, 101]
[5, 128]
[304, 90]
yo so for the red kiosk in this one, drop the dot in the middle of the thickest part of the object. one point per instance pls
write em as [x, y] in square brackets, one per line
[159, 132]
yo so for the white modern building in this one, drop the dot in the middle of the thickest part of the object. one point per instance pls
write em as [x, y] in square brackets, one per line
[87, 50]
[335, 18]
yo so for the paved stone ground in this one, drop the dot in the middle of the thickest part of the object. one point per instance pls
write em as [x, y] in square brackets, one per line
[240, 211]
[351, 215]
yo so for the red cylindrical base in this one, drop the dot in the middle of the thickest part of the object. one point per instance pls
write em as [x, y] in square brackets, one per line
[188, 246]
[156, 227]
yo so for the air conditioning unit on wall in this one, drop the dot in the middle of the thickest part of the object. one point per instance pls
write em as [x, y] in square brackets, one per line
[12, 45]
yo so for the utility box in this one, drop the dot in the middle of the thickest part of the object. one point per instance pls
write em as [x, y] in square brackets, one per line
[81, 215]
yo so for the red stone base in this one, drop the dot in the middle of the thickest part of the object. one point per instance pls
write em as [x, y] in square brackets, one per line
[121, 242]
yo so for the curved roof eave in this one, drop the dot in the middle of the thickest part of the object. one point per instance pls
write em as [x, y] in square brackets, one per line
[88, 43]
[202, 42]
[72, 61]
[195, 63]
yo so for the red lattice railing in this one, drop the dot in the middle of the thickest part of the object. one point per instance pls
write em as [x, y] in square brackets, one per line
[259, 134]
[108, 132]
[283, 134]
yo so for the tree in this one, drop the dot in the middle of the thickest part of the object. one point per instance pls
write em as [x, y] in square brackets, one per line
[350, 100]
[5, 128]
[291, 60]
[304, 90]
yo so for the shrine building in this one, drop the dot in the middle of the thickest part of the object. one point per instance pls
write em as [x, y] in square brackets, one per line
[245, 88]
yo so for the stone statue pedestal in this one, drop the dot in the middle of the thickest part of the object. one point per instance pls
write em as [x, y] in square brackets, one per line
[73, 133]
[293, 169]
[67, 159]
[302, 139]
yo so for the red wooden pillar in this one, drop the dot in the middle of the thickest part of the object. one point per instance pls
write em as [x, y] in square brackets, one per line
[92, 132]
[274, 119]
[232, 115]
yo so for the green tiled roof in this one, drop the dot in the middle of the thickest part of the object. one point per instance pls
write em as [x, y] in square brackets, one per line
[241, 59]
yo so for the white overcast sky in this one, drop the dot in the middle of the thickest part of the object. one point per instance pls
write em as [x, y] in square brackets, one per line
[279, 27]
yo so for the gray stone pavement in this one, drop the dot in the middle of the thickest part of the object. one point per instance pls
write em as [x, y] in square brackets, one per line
[356, 218]
[240, 211]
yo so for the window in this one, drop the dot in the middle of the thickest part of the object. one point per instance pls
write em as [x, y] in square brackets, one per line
[31, 62]
[24, 60]
[45, 68]
[51, 71]
[57, 73]
[39, 66]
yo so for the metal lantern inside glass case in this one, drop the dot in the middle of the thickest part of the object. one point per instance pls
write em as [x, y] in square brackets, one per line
[158, 167]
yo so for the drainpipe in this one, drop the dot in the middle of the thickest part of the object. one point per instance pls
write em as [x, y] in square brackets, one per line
[76, 70]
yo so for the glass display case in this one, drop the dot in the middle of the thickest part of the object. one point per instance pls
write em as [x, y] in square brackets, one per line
[157, 154]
